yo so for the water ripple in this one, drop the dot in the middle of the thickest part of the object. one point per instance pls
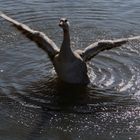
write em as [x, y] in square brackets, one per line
[32, 96]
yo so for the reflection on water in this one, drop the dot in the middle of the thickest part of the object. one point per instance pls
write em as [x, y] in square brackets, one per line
[35, 105]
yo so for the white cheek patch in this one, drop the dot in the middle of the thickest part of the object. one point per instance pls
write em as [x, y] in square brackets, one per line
[68, 23]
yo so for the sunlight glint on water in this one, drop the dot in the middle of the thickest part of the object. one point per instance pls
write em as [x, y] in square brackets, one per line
[34, 105]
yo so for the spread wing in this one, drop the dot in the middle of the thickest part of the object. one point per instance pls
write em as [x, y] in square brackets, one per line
[97, 47]
[39, 38]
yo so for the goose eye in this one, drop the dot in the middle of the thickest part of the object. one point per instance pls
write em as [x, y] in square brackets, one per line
[66, 20]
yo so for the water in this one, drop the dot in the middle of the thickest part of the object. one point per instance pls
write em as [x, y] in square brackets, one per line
[34, 105]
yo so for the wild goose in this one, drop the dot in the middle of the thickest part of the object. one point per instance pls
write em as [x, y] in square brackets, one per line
[69, 65]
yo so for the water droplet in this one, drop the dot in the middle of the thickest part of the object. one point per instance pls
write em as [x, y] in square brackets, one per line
[113, 136]
[1, 70]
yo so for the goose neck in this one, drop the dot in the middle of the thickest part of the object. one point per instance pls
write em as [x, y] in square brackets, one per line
[65, 51]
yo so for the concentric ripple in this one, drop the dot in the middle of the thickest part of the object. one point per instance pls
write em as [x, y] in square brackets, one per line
[34, 104]
[117, 71]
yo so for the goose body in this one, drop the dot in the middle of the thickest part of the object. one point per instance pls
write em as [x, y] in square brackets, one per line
[71, 71]
[70, 66]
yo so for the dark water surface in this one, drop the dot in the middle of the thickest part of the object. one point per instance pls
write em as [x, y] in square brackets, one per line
[34, 105]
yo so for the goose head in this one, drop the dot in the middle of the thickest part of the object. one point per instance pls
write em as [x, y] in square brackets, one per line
[64, 24]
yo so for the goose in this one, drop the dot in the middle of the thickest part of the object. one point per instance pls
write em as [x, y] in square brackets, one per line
[70, 66]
